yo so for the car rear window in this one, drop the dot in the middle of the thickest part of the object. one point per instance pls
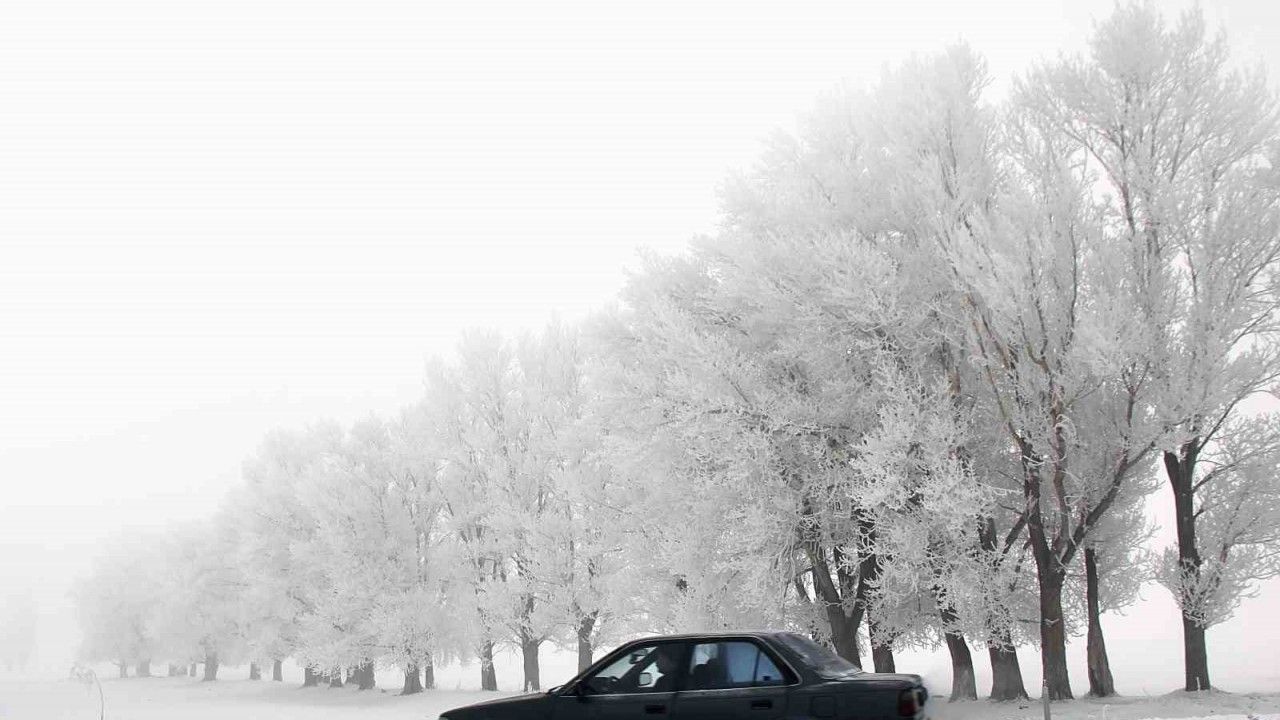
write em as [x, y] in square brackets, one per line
[823, 661]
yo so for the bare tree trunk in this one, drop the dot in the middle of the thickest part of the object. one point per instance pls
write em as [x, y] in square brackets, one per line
[529, 653]
[528, 643]
[277, 671]
[868, 571]
[881, 648]
[882, 658]
[1180, 469]
[1006, 673]
[585, 627]
[964, 685]
[844, 634]
[210, 666]
[488, 674]
[255, 672]
[1195, 655]
[842, 623]
[412, 681]
[1053, 638]
[144, 668]
[429, 674]
[310, 678]
[1050, 575]
[1101, 683]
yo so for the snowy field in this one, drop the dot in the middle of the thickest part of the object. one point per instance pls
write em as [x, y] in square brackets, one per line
[172, 698]
[1146, 665]
[1145, 681]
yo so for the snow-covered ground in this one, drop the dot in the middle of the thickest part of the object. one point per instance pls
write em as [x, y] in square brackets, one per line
[190, 699]
[1209, 706]
[238, 699]
[234, 697]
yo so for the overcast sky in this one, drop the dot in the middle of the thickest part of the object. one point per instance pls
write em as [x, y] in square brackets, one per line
[219, 217]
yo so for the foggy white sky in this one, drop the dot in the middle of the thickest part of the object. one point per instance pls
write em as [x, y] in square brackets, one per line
[220, 217]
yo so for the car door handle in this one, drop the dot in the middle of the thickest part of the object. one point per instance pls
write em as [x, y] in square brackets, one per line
[761, 704]
[655, 709]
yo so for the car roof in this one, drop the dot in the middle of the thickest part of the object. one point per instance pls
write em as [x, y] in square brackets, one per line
[713, 635]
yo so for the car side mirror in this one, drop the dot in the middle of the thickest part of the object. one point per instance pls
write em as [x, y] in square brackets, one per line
[644, 679]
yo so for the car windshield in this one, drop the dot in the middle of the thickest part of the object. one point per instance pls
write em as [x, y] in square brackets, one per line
[822, 660]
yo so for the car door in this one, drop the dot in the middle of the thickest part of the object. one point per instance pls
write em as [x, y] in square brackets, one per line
[733, 679]
[640, 684]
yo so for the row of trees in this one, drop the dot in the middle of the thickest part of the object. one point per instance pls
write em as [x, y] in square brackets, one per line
[476, 518]
[916, 392]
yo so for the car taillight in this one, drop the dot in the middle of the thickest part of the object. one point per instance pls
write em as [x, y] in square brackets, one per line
[909, 703]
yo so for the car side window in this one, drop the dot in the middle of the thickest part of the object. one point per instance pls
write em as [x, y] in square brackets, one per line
[731, 664]
[645, 668]
[767, 673]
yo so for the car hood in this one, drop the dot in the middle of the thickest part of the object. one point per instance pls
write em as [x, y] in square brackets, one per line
[507, 707]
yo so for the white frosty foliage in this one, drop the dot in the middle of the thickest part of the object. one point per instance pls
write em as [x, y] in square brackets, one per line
[938, 352]
[1237, 524]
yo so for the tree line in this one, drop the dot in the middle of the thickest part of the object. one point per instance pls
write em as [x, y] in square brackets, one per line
[915, 392]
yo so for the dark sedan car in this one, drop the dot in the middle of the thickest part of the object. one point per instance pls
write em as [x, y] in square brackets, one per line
[764, 676]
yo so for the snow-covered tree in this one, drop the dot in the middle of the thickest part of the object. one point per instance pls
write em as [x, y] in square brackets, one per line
[201, 617]
[362, 548]
[914, 392]
[1113, 568]
[1009, 206]
[412, 613]
[121, 603]
[1237, 522]
[575, 557]
[769, 360]
[846, 174]
[476, 436]
[275, 528]
[516, 485]
[590, 595]
[847, 171]
[1185, 149]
